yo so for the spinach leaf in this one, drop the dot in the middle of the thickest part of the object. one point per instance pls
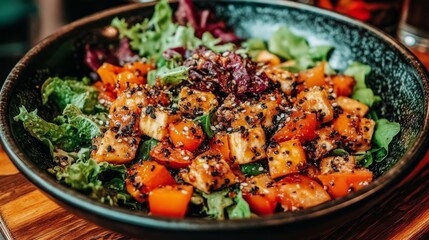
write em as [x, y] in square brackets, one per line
[208, 40]
[241, 209]
[206, 124]
[64, 92]
[384, 132]
[252, 169]
[339, 152]
[217, 202]
[364, 159]
[145, 147]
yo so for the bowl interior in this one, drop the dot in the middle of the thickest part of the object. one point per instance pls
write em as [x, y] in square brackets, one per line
[396, 76]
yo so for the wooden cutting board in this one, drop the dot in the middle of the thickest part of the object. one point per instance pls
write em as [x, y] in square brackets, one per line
[25, 213]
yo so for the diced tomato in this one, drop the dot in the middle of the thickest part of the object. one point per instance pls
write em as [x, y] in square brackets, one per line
[314, 76]
[339, 184]
[170, 201]
[261, 195]
[343, 85]
[186, 134]
[302, 126]
[171, 157]
[106, 93]
[296, 192]
[143, 178]
[109, 73]
[346, 125]
[220, 143]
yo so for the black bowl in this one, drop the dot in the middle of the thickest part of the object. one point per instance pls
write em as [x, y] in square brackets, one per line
[397, 76]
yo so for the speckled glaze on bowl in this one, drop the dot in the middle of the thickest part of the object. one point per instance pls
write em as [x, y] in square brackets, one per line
[397, 76]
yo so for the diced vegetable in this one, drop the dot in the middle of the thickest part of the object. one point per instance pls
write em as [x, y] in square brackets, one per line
[299, 192]
[220, 144]
[314, 76]
[154, 122]
[209, 172]
[196, 103]
[145, 177]
[285, 158]
[186, 134]
[115, 149]
[266, 57]
[343, 85]
[302, 126]
[171, 157]
[247, 147]
[109, 73]
[170, 201]
[339, 184]
[352, 106]
[286, 79]
[261, 194]
[337, 164]
[316, 100]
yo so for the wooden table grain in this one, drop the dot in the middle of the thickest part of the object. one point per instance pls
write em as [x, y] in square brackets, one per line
[25, 213]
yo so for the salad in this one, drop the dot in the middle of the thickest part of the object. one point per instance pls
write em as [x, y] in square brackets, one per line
[184, 118]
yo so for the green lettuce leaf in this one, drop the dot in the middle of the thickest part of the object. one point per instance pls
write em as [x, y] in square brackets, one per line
[241, 209]
[63, 136]
[217, 202]
[145, 147]
[64, 92]
[206, 123]
[359, 71]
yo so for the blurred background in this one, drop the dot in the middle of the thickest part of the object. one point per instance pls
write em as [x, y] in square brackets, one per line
[25, 22]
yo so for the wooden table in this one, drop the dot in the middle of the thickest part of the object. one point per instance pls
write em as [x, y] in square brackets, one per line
[25, 213]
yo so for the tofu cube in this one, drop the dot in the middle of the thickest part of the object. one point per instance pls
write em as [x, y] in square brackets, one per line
[196, 103]
[154, 122]
[285, 158]
[366, 129]
[113, 149]
[209, 172]
[247, 147]
[316, 100]
[352, 106]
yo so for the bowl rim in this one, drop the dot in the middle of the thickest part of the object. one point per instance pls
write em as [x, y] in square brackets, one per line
[68, 196]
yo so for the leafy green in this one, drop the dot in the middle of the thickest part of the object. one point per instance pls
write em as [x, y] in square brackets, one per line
[288, 45]
[359, 71]
[241, 209]
[173, 76]
[339, 152]
[384, 132]
[63, 136]
[87, 127]
[67, 91]
[366, 96]
[145, 147]
[217, 202]
[252, 169]
[206, 124]
[364, 159]
[103, 181]
[152, 37]
[254, 46]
